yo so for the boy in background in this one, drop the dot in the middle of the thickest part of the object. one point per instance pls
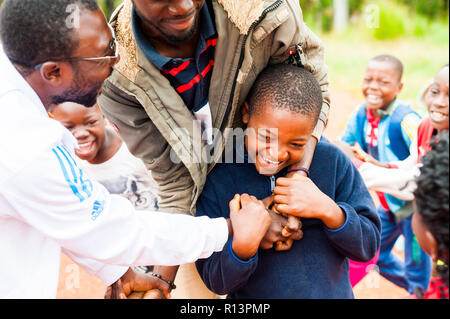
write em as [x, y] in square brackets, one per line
[106, 159]
[396, 178]
[385, 128]
[338, 214]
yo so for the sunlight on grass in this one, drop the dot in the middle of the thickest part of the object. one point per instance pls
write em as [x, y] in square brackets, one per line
[423, 48]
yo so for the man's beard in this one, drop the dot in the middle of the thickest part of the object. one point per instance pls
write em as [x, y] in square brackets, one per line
[173, 39]
[76, 93]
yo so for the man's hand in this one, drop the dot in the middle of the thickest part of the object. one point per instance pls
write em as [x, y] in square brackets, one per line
[132, 282]
[299, 196]
[250, 221]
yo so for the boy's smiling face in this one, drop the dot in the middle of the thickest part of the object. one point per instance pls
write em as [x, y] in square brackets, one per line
[276, 137]
[437, 100]
[86, 124]
[381, 84]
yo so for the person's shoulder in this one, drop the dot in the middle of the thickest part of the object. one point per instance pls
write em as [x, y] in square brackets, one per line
[358, 111]
[425, 124]
[25, 135]
[331, 153]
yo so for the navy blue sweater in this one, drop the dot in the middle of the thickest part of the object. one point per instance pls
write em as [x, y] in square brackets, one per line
[317, 265]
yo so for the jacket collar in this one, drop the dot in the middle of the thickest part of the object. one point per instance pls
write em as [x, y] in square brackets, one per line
[241, 13]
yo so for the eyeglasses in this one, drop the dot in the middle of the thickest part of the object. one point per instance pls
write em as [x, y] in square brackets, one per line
[108, 60]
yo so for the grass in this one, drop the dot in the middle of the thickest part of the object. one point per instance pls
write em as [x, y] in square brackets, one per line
[422, 55]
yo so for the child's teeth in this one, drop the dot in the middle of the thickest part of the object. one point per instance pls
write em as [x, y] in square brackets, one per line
[439, 116]
[271, 162]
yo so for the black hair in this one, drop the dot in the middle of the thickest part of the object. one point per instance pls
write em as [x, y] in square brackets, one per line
[395, 62]
[289, 87]
[35, 31]
[432, 196]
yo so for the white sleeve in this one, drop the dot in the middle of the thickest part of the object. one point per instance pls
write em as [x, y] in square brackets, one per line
[411, 161]
[56, 198]
[398, 182]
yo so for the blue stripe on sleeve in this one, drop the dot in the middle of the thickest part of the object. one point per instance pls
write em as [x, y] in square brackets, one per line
[75, 179]
[77, 169]
[66, 176]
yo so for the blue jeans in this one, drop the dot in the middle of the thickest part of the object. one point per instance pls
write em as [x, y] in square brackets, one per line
[415, 271]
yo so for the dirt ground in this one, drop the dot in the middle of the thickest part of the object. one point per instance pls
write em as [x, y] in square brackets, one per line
[74, 283]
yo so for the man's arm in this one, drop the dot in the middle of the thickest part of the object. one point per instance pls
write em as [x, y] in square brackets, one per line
[289, 35]
[85, 219]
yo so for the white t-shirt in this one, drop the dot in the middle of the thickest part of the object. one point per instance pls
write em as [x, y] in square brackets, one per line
[48, 205]
[125, 175]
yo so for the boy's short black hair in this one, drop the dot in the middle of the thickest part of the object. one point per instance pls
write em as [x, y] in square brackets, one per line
[34, 31]
[289, 87]
[432, 193]
[395, 62]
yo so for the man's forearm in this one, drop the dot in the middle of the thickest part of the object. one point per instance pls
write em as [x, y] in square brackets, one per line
[170, 272]
[167, 272]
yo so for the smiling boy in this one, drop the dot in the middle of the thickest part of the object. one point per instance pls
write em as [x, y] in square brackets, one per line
[385, 128]
[338, 215]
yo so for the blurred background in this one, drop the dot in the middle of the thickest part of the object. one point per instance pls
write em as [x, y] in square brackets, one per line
[353, 31]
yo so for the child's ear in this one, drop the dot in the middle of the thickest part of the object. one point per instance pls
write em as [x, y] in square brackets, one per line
[400, 87]
[245, 113]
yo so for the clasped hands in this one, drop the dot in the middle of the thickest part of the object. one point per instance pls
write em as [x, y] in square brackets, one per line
[294, 197]
[255, 225]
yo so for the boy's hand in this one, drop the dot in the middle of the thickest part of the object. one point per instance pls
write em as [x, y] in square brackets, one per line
[300, 197]
[276, 232]
[132, 282]
[250, 221]
[363, 156]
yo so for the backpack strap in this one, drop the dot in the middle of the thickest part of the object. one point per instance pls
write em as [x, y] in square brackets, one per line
[398, 144]
[361, 119]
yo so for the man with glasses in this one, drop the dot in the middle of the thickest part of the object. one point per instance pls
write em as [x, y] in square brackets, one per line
[47, 204]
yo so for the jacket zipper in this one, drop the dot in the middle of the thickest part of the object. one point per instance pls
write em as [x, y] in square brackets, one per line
[241, 58]
[272, 184]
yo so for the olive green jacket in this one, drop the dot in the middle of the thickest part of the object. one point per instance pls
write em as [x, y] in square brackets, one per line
[152, 118]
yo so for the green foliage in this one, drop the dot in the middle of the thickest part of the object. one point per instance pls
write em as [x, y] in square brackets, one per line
[397, 17]
[397, 20]
[391, 24]
[320, 12]
[108, 6]
[429, 8]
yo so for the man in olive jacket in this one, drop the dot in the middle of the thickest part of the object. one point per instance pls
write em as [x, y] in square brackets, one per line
[185, 69]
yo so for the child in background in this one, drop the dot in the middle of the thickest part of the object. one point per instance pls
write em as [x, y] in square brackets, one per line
[385, 128]
[395, 177]
[105, 157]
[338, 214]
[431, 216]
